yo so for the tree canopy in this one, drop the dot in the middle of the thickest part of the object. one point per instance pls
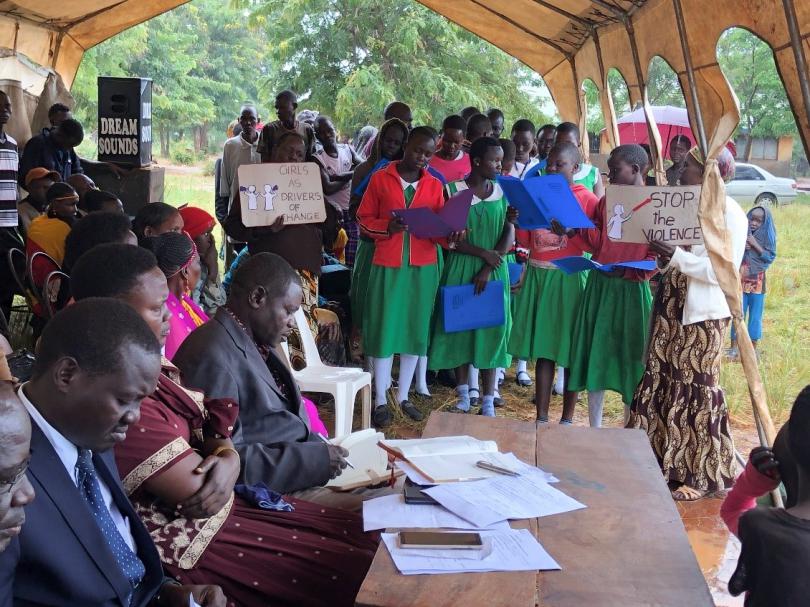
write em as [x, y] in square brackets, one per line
[349, 58]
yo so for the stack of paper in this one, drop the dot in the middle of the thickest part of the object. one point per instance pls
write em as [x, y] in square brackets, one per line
[504, 460]
[505, 550]
[391, 512]
[449, 459]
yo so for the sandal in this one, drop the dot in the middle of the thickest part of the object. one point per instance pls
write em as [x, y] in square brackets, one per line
[685, 493]
[523, 379]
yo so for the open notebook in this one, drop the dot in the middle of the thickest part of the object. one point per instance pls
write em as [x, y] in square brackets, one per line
[447, 459]
[369, 460]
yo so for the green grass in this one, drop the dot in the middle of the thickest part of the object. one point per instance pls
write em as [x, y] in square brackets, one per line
[785, 347]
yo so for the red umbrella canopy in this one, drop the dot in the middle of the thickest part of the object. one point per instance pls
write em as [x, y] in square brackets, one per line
[672, 121]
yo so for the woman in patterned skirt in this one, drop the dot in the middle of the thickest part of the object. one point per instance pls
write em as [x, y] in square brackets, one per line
[679, 401]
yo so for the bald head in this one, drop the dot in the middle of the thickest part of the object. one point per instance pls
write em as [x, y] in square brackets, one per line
[81, 183]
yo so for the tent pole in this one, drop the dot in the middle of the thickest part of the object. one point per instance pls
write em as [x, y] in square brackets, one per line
[653, 136]
[610, 119]
[690, 76]
[798, 54]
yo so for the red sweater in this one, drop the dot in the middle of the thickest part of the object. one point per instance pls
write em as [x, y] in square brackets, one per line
[545, 246]
[750, 485]
[385, 195]
[608, 251]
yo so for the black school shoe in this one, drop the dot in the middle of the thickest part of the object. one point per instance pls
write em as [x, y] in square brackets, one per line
[411, 411]
[381, 416]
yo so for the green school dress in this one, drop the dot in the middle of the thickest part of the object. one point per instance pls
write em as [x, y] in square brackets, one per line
[610, 336]
[399, 303]
[546, 309]
[484, 348]
[360, 274]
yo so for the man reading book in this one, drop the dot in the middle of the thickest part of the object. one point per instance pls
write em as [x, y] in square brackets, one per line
[233, 356]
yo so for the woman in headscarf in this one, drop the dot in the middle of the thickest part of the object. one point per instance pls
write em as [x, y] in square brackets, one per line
[679, 402]
[178, 260]
[760, 251]
[199, 224]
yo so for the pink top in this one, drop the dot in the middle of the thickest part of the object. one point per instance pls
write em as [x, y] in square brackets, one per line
[342, 163]
[186, 316]
[452, 170]
[750, 485]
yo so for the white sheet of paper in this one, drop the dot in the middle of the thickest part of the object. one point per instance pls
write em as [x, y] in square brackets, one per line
[506, 497]
[192, 602]
[512, 550]
[391, 512]
[504, 460]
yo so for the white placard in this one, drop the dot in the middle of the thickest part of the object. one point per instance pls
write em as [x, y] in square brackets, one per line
[292, 189]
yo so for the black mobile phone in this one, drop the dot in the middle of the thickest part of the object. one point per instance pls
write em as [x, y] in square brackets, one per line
[414, 494]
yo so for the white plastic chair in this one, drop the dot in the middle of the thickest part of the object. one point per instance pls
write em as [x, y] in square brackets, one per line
[343, 383]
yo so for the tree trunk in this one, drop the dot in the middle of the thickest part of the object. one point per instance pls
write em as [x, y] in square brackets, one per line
[164, 141]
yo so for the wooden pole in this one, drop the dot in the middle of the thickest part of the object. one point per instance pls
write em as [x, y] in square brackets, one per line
[798, 55]
[690, 78]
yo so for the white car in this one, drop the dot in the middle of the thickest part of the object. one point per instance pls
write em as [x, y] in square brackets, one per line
[755, 185]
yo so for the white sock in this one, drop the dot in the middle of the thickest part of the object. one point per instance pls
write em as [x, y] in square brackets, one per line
[559, 386]
[521, 366]
[421, 376]
[463, 393]
[407, 366]
[488, 406]
[472, 378]
[596, 402]
[382, 378]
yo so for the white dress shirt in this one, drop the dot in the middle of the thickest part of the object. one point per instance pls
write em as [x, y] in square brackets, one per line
[69, 454]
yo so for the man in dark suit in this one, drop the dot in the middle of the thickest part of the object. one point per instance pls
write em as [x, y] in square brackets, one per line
[232, 356]
[83, 543]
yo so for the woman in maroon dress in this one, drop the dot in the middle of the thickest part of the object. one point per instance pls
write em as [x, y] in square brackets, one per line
[179, 468]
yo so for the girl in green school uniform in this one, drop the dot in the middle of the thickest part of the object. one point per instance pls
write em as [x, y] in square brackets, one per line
[478, 259]
[405, 273]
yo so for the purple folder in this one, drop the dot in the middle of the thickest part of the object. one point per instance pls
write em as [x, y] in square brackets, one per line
[452, 217]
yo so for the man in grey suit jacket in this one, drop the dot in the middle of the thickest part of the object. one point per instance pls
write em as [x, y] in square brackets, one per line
[232, 356]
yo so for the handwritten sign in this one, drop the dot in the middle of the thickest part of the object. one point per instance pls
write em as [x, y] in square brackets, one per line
[640, 214]
[291, 189]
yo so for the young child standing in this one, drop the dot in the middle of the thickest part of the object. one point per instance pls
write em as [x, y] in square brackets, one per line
[523, 137]
[478, 126]
[337, 161]
[450, 159]
[588, 174]
[388, 146]
[404, 275]
[548, 302]
[760, 251]
[611, 329]
[478, 259]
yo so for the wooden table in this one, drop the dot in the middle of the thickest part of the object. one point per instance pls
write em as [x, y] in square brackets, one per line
[628, 547]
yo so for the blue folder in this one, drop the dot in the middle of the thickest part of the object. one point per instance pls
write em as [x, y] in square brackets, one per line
[463, 310]
[515, 270]
[541, 199]
[572, 265]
